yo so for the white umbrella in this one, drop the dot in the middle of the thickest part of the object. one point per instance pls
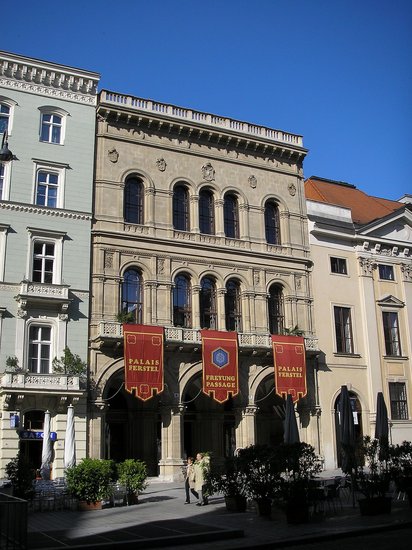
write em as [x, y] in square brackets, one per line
[46, 453]
[69, 440]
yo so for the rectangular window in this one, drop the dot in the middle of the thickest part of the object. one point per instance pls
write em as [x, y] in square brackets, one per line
[51, 128]
[399, 404]
[343, 330]
[39, 349]
[386, 272]
[338, 265]
[4, 118]
[43, 262]
[391, 333]
[47, 186]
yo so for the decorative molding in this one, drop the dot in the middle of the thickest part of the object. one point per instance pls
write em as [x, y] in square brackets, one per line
[113, 155]
[406, 270]
[292, 189]
[252, 181]
[53, 212]
[367, 266]
[208, 172]
[50, 92]
[161, 164]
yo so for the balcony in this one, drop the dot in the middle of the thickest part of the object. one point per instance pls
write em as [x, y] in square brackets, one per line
[110, 331]
[40, 293]
[29, 381]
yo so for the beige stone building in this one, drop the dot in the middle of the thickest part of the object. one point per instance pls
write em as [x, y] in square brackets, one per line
[199, 222]
[362, 290]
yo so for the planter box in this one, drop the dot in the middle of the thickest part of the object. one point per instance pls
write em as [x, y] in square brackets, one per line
[235, 503]
[375, 506]
[86, 506]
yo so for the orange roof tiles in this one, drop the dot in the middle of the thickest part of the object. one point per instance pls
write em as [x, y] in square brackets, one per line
[364, 208]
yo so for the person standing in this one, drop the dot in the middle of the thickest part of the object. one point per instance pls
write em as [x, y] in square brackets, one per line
[201, 467]
[190, 480]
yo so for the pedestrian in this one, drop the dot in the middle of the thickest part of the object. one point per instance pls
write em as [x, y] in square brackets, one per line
[190, 480]
[201, 468]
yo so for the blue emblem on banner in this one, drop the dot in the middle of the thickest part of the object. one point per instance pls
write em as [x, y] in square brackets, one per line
[220, 358]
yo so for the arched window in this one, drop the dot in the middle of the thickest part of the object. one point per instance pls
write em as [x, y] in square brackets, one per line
[272, 224]
[275, 310]
[182, 302]
[231, 216]
[206, 212]
[133, 200]
[208, 309]
[132, 301]
[233, 306]
[181, 208]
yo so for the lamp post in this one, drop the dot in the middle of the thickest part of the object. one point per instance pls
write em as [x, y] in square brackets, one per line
[5, 153]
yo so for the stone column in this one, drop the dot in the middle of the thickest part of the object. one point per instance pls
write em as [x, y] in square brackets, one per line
[97, 424]
[196, 306]
[221, 315]
[246, 428]
[171, 461]
[219, 225]
[194, 214]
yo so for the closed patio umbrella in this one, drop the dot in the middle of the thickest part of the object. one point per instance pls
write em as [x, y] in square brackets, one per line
[46, 453]
[291, 433]
[69, 440]
[382, 426]
[347, 432]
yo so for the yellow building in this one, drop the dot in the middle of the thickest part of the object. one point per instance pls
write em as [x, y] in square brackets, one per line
[362, 290]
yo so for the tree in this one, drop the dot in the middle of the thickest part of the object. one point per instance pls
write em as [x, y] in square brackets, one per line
[69, 363]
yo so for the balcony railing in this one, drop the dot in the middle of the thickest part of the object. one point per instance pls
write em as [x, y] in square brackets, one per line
[33, 381]
[190, 115]
[112, 330]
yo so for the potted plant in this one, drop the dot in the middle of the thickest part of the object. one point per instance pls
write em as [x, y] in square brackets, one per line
[126, 317]
[20, 473]
[70, 363]
[230, 481]
[261, 475]
[300, 464]
[12, 364]
[132, 474]
[400, 467]
[373, 482]
[90, 482]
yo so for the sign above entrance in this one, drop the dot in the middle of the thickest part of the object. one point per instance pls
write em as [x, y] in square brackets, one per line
[220, 364]
[290, 366]
[27, 434]
[143, 360]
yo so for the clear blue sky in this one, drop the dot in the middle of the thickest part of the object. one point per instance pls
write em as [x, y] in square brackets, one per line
[339, 72]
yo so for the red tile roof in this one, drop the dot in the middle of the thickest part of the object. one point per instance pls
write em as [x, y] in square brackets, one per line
[364, 208]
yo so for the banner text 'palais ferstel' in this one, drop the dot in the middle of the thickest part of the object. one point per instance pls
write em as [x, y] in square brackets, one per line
[220, 364]
[290, 366]
[143, 360]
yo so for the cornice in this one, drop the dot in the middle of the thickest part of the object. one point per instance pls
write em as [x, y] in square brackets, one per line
[186, 126]
[51, 212]
[48, 79]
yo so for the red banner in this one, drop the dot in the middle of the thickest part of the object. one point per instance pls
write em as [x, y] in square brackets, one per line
[290, 366]
[143, 360]
[220, 364]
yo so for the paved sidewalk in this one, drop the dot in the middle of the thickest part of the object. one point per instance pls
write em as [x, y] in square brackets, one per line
[162, 519]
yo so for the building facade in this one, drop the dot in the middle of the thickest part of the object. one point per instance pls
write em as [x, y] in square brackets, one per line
[47, 117]
[362, 290]
[199, 222]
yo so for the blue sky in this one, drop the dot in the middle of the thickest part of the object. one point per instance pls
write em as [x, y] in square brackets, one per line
[338, 72]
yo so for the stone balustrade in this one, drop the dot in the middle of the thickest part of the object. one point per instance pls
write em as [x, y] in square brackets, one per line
[112, 329]
[207, 119]
[30, 380]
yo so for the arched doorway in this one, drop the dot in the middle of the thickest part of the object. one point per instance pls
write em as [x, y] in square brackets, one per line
[357, 417]
[208, 425]
[270, 413]
[133, 427]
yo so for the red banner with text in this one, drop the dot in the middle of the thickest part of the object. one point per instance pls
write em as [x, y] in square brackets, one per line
[220, 364]
[143, 360]
[290, 366]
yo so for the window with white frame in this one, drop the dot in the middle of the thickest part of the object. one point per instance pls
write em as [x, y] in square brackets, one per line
[45, 256]
[338, 265]
[2, 179]
[398, 400]
[343, 330]
[47, 187]
[391, 333]
[386, 272]
[49, 183]
[40, 347]
[6, 114]
[52, 125]
[43, 262]
[4, 117]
